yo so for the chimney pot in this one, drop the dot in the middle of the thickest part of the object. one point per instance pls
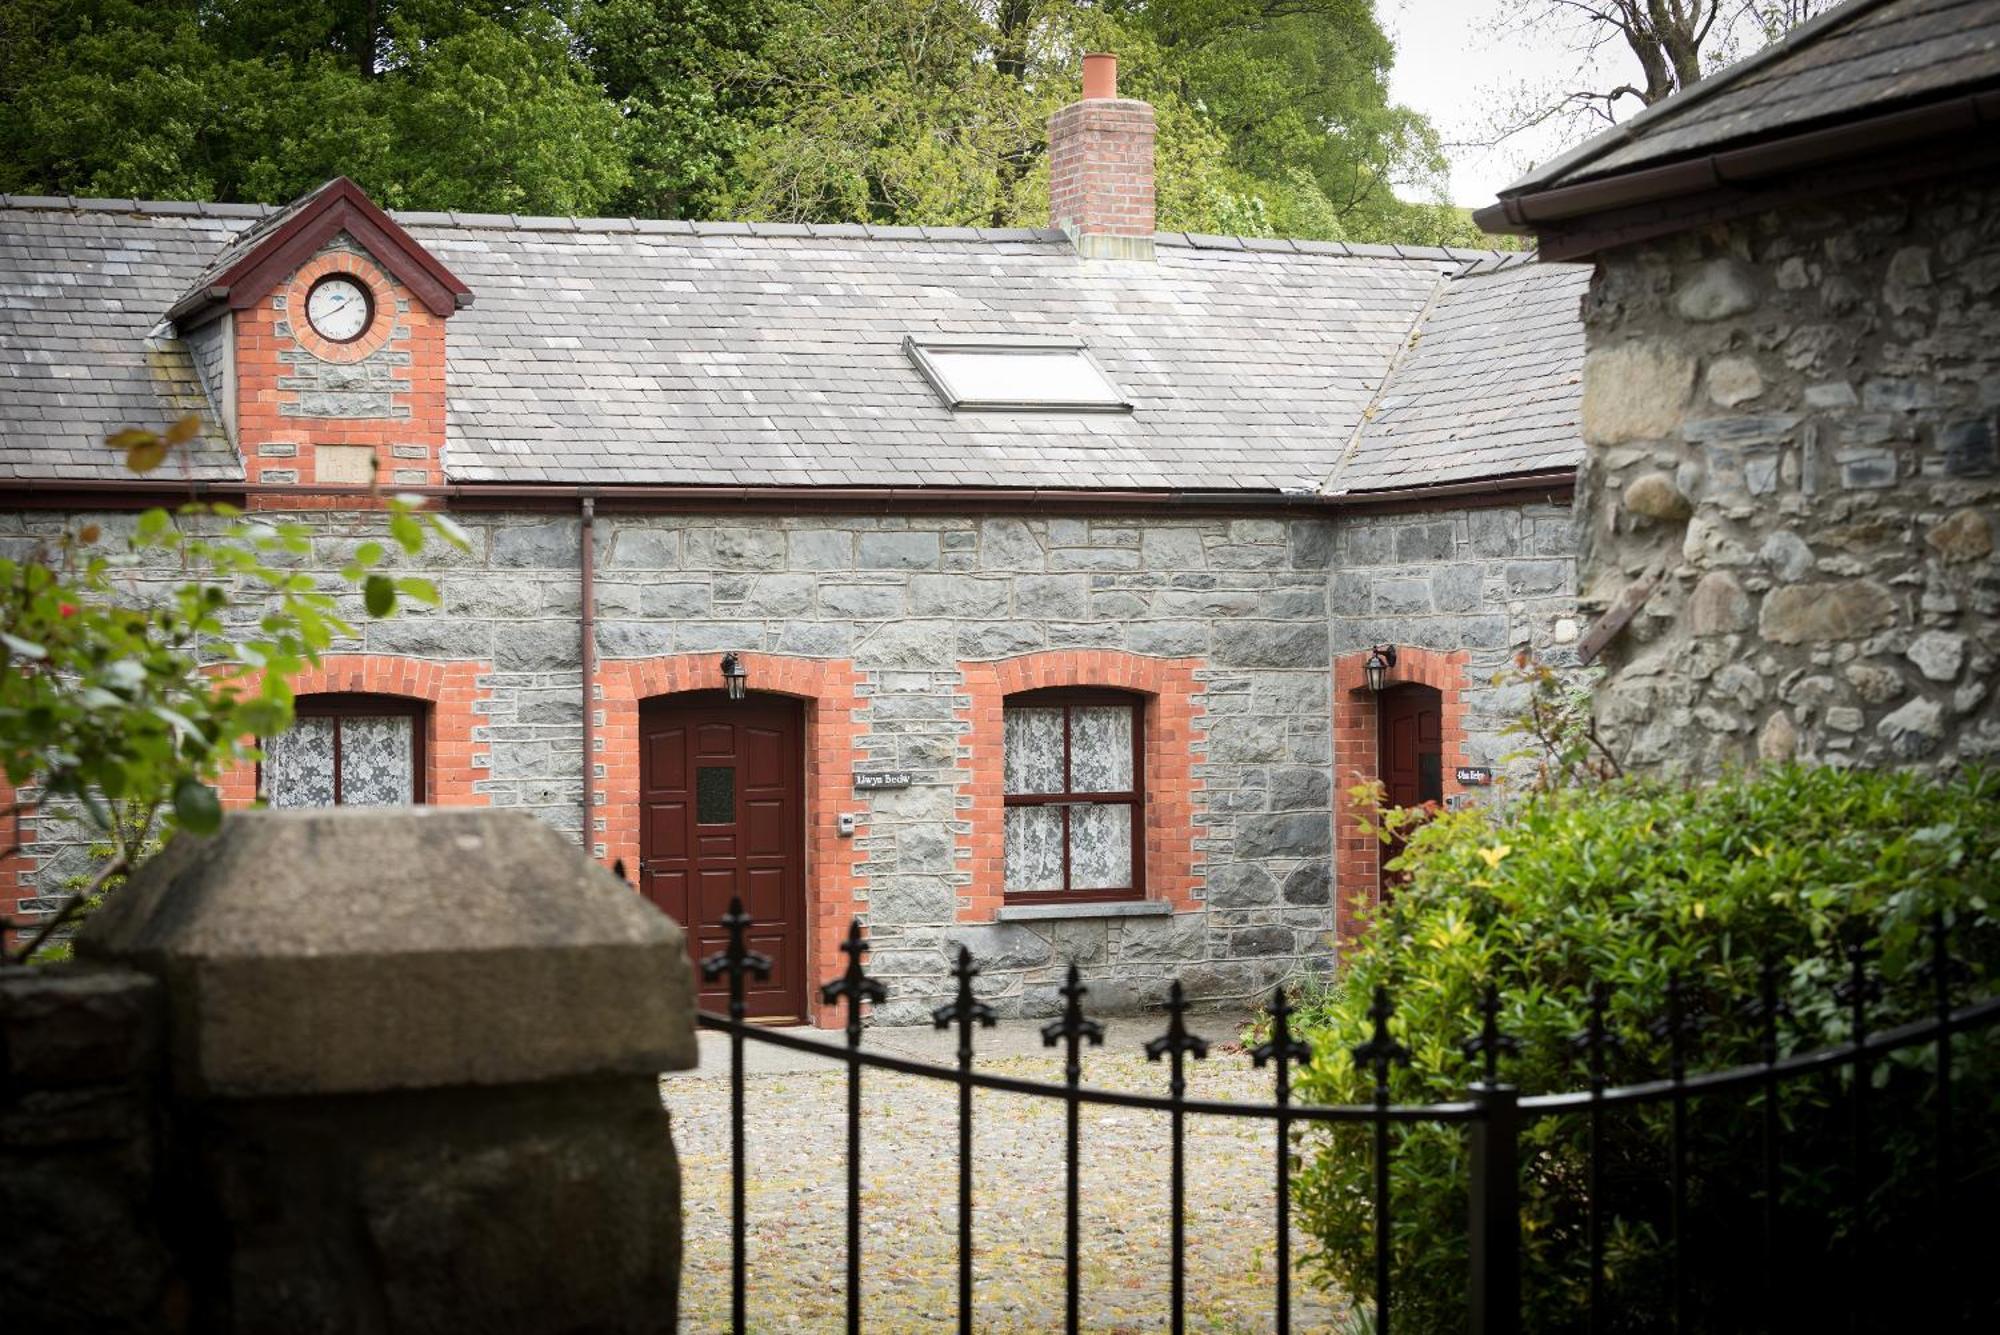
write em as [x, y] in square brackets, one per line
[1101, 167]
[1100, 75]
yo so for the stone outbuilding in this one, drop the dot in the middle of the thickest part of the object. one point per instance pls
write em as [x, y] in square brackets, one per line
[1046, 563]
[1792, 397]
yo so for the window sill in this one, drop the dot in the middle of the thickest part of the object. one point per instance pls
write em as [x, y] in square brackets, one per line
[1103, 908]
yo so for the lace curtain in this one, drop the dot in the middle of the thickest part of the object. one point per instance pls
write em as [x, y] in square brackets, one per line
[1097, 759]
[377, 762]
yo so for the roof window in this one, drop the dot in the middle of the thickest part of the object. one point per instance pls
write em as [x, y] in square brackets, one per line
[1015, 374]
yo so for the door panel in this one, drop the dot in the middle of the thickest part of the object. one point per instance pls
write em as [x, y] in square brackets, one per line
[1412, 741]
[723, 817]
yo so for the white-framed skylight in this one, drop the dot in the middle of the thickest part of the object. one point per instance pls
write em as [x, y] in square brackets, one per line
[1013, 373]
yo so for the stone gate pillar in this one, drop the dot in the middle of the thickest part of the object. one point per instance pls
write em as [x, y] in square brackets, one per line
[413, 1064]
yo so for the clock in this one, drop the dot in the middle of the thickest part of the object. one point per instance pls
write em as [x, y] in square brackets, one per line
[340, 308]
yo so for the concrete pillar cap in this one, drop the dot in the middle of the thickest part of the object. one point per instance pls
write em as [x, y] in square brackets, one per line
[351, 950]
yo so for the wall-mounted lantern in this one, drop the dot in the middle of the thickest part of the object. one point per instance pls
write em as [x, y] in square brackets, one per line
[1380, 659]
[733, 675]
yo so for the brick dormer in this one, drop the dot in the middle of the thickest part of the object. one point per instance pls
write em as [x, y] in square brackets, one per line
[1101, 168]
[345, 395]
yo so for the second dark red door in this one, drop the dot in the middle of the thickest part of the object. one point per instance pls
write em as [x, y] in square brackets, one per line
[720, 818]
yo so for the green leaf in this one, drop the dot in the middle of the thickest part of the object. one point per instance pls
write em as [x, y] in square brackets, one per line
[196, 806]
[379, 593]
[24, 648]
[408, 533]
[423, 590]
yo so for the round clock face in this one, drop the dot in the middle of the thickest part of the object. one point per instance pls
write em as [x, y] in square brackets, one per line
[339, 309]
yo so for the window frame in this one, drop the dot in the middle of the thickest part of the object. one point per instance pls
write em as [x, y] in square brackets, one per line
[1066, 697]
[921, 347]
[338, 705]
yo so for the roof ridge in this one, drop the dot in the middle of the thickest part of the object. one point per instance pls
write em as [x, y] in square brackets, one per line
[521, 222]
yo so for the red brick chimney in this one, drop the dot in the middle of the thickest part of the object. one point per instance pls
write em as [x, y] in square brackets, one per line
[1101, 168]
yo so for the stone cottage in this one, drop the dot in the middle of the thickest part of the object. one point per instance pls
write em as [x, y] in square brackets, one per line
[1792, 394]
[1007, 587]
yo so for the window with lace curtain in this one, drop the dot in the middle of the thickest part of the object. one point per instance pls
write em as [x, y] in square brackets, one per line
[347, 750]
[1074, 794]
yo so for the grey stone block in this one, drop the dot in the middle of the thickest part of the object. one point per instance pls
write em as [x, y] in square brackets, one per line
[1310, 885]
[1455, 588]
[1273, 644]
[958, 596]
[1241, 885]
[626, 639]
[817, 639]
[1167, 639]
[821, 549]
[1009, 544]
[1424, 542]
[897, 551]
[1171, 549]
[999, 639]
[1065, 597]
[862, 600]
[549, 546]
[735, 549]
[674, 600]
[1286, 835]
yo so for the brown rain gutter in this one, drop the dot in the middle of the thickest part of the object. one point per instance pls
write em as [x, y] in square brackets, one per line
[1524, 214]
[54, 493]
[587, 590]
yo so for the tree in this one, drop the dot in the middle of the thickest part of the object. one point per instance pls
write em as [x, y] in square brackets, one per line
[1274, 115]
[1674, 43]
[121, 701]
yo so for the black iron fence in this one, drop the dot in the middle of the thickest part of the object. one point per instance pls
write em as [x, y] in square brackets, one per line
[1493, 1113]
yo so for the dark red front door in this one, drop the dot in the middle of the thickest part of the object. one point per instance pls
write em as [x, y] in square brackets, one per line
[721, 816]
[1412, 751]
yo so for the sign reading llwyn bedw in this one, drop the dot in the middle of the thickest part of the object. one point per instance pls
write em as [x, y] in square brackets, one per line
[893, 778]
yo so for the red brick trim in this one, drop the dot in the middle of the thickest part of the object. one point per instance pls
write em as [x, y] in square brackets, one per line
[835, 887]
[380, 293]
[270, 328]
[1357, 867]
[1174, 821]
[17, 869]
[454, 759]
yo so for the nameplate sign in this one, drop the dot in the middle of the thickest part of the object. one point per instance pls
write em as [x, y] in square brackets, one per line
[1474, 776]
[895, 778]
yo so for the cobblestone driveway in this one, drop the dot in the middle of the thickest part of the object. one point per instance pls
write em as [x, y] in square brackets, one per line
[795, 1137]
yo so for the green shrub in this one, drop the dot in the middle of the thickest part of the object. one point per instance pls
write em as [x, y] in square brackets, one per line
[1626, 883]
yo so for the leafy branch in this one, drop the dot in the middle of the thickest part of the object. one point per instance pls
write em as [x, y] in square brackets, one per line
[123, 697]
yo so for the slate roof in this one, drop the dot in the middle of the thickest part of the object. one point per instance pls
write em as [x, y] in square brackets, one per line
[1864, 58]
[610, 352]
[1491, 386]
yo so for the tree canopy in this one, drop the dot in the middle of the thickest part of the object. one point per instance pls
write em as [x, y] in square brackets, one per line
[1274, 114]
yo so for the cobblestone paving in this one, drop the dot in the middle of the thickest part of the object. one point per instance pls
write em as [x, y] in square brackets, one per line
[794, 1142]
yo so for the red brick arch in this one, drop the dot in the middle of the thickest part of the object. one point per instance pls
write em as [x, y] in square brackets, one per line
[834, 883]
[454, 759]
[1357, 865]
[1173, 825]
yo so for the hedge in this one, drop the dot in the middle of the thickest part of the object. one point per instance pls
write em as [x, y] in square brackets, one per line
[1625, 883]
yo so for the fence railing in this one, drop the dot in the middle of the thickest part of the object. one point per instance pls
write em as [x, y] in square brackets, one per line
[1493, 1112]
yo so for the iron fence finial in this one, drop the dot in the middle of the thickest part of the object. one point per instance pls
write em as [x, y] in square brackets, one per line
[1177, 1039]
[854, 985]
[1489, 1043]
[1073, 1026]
[736, 959]
[1381, 1051]
[964, 1009]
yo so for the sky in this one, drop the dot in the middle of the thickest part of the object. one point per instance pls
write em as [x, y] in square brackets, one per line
[1456, 64]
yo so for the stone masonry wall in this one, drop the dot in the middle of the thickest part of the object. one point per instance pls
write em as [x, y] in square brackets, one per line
[1492, 582]
[1261, 607]
[1791, 422]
